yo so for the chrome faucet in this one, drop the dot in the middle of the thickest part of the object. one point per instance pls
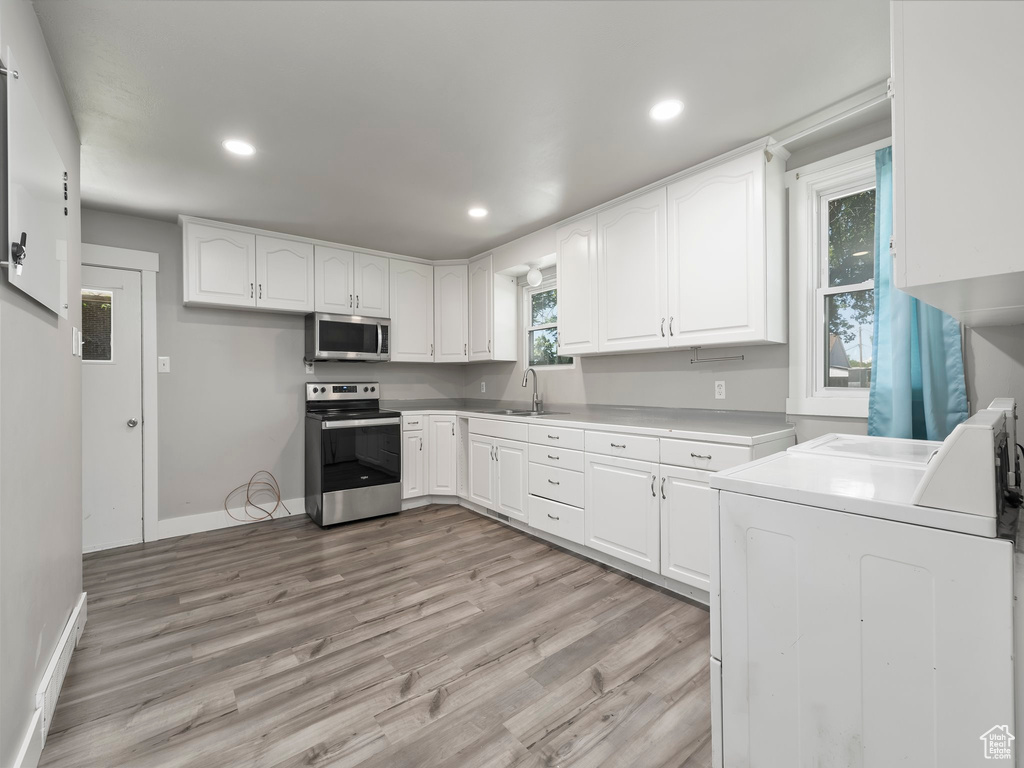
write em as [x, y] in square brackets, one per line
[538, 404]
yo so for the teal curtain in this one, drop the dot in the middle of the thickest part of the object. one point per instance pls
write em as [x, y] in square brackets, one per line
[917, 377]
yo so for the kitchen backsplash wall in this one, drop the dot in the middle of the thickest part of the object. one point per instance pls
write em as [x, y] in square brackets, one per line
[233, 401]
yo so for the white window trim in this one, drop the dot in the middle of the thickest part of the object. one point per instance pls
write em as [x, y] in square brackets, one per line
[852, 170]
[548, 283]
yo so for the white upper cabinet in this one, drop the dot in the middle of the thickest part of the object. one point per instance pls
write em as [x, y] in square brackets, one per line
[284, 274]
[724, 272]
[412, 312]
[371, 285]
[333, 280]
[492, 313]
[220, 265]
[451, 314]
[957, 69]
[576, 249]
[631, 266]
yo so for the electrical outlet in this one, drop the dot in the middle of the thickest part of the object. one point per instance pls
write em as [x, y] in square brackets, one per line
[309, 367]
[163, 365]
[483, 386]
[719, 390]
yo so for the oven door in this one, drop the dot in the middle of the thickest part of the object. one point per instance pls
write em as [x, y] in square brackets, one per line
[361, 468]
[343, 337]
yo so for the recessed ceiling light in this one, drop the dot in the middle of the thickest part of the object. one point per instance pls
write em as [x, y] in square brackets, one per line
[666, 110]
[477, 213]
[239, 147]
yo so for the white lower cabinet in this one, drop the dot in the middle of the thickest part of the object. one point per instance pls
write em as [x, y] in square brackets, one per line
[511, 482]
[562, 520]
[481, 470]
[442, 456]
[414, 464]
[687, 508]
[622, 516]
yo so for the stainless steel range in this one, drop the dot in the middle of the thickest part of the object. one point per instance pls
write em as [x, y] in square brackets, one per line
[353, 453]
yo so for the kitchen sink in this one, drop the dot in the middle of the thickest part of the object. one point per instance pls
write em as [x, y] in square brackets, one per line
[510, 412]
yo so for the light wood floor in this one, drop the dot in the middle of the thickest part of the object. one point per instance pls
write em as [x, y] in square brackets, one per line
[436, 637]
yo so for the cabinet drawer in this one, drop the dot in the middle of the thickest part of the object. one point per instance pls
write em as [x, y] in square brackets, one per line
[413, 422]
[556, 457]
[557, 436]
[559, 519]
[557, 484]
[509, 430]
[698, 455]
[626, 446]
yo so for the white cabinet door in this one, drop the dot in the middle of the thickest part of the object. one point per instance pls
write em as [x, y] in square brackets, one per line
[414, 465]
[334, 291]
[512, 486]
[632, 272]
[220, 266]
[621, 516]
[716, 254]
[687, 508]
[284, 274]
[482, 472]
[370, 280]
[576, 248]
[902, 634]
[481, 319]
[442, 456]
[412, 312]
[451, 314]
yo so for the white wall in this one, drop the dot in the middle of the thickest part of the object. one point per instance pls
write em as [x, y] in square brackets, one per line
[40, 429]
[233, 401]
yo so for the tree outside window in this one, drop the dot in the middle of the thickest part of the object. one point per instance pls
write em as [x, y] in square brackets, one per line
[542, 326]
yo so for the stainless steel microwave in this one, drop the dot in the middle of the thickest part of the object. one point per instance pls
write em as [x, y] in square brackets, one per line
[347, 337]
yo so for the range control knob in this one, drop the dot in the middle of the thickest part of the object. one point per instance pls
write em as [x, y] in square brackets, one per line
[315, 390]
[373, 389]
[366, 389]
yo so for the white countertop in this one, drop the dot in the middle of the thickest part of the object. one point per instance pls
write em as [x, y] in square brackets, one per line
[729, 427]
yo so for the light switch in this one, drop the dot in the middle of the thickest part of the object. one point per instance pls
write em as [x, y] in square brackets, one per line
[483, 386]
[163, 365]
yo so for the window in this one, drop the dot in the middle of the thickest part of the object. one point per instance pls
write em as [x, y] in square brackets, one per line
[541, 332]
[832, 280]
[97, 326]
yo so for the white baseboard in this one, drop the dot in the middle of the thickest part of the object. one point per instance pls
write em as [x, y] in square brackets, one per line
[422, 501]
[32, 747]
[218, 518]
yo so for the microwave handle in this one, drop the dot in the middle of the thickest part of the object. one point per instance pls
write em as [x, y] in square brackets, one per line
[380, 338]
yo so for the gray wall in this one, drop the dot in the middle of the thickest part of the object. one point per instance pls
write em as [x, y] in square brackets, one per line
[233, 401]
[40, 430]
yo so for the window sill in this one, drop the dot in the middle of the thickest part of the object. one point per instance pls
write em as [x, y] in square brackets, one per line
[842, 407]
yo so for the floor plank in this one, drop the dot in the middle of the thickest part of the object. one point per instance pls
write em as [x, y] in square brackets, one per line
[434, 637]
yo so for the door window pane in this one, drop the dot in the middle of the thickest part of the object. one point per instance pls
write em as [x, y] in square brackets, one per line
[851, 238]
[97, 325]
[849, 333]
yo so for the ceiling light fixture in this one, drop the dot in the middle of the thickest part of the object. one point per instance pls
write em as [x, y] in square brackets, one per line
[534, 277]
[666, 110]
[477, 213]
[239, 147]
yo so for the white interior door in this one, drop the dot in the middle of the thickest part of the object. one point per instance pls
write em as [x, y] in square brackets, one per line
[111, 408]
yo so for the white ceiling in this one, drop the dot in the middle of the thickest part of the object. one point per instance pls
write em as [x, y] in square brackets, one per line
[378, 124]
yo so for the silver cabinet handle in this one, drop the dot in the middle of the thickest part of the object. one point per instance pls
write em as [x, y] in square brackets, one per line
[705, 456]
[616, 445]
[453, 429]
[553, 482]
[421, 444]
[553, 517]
[252, 290]
[133, 423]
[350, 301]
[653, 480]
[670, 331]
[431, 350]
[663, 326]
[663, 487]
[357, 301]
[553, 437]
[488, 346]
[261, 290]
[554, 458]
[465, 349]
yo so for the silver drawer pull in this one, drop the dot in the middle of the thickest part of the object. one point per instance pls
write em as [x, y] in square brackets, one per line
[706, 457]
[616, 445]
[553, 458]
[553, 517]
[554, 482]
[553, 437]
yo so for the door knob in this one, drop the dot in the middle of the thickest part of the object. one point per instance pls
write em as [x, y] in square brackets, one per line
[133, 422]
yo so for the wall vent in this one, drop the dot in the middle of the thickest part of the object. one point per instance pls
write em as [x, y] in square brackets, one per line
[53, 677]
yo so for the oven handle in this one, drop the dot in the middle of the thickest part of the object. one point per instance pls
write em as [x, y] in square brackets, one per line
[360, 423]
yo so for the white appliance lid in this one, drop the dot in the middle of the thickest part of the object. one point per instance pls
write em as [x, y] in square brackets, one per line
[871, 448]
